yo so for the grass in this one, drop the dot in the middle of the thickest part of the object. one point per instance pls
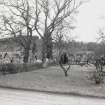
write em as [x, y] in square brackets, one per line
[53, 79]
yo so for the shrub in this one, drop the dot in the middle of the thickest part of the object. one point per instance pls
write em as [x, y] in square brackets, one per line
[97, 77]
[29, 67]
[8, 68]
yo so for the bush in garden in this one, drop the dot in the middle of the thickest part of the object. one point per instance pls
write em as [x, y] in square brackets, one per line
[3, 69]
[8, 68]
[98, 74]
[97, 77]
[11, 68]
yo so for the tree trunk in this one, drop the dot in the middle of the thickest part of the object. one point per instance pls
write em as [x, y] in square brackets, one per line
[66, 74]
[28, 44]
[26, 55]
[43, 50]
[47, 47]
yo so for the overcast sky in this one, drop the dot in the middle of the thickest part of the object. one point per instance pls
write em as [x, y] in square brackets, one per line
[89, 20]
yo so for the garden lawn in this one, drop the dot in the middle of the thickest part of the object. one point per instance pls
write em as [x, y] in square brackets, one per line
[53, 79]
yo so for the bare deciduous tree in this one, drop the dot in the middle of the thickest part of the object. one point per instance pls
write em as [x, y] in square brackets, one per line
[18, 22]
[54, 12]
[61, 46]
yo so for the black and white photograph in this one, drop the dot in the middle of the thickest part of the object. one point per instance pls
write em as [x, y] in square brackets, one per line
[52, 52]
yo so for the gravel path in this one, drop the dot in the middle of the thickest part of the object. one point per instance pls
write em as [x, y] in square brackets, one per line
[17, 97]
